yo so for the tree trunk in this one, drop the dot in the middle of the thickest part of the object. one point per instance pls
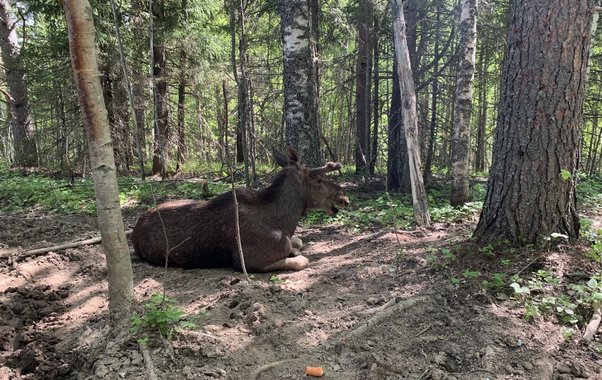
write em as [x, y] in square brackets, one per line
[428, 166]
[398, 170]
[300, 97]
[161, 113]
[362, 87]
[531, 189]
[21, 121]
[85, 68]
[375, 97]
[482, 113]
[466, 67]
[181, 106]
[410, 119]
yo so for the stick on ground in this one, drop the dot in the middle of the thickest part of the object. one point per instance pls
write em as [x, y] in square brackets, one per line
[35, 252]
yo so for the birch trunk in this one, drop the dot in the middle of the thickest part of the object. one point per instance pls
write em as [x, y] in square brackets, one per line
[466, 67]
[300, 88]
[85, 68]
[410, 120]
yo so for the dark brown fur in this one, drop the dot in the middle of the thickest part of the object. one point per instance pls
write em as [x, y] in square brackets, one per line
[201, 234]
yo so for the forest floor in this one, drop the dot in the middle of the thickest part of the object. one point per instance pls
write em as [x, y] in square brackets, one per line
[372, 305]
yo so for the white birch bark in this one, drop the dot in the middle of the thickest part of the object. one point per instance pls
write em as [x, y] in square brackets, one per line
[463, 103]
[300, 91]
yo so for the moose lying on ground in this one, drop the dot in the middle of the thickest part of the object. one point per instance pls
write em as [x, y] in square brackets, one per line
[202, 234]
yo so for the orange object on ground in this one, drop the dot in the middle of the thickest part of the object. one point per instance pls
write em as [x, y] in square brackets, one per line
[314, 371]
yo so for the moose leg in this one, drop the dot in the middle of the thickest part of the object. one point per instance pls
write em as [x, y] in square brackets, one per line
[297, 245]
[288, 263]
[267, 251]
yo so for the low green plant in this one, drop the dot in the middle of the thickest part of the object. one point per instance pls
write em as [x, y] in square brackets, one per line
[160, 315]
[544, 294]
[277, 280]
[496, 282]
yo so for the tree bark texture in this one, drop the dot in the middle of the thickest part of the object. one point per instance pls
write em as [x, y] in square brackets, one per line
[465, 76]
[85, 68]
[531, 187]
[362, 86]
[300, 90]
[410, 119]
[161, 113]
[21, 122]
[181, 151]
[398, 176]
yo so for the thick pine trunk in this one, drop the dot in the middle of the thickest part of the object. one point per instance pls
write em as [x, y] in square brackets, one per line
[85, 68]
[531, 188]
[300, 90]
[410, 118]
[21, 122]
[466, 67]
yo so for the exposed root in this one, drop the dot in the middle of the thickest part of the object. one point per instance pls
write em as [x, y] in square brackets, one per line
[148, 362]
[594, 323]
[382, 315]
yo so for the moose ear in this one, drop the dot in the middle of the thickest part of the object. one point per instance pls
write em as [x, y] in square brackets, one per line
[292, 155]
[286, 158]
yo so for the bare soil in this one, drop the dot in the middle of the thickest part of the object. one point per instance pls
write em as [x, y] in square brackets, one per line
[371, 306]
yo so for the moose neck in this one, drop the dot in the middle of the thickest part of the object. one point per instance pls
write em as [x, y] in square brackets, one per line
[287, 201]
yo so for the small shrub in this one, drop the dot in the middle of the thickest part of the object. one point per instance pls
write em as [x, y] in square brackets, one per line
[160, 315]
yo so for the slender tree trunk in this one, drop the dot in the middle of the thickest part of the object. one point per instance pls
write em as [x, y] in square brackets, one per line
[362, 87]
[181, 106]
[130, 94]
[159, 60]
[466, 67]
[21, 121]
[482, 114]
[434, 100]
[531, 192]
[85, 68]
[300, 97]
[375, 97]
[410, 119]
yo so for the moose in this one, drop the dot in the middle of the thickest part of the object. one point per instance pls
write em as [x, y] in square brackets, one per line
[202, 234]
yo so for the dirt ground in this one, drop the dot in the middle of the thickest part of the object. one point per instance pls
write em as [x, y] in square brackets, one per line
[370, 306]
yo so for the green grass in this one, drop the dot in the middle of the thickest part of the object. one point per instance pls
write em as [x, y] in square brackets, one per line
[25, 192]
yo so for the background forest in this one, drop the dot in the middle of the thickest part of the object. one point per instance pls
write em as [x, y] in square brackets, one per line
[203, 49]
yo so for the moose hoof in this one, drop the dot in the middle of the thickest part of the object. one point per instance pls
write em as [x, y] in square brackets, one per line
[295, 252]
[298, 263]
[296, 242]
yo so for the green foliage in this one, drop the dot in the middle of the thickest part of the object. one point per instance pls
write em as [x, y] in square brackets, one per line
[594, 238]
[20, 192]
[565, 174]
[590, 193]
[497, 282]
[160, 315]
[543, 295]
[277, 280]
[439, 258]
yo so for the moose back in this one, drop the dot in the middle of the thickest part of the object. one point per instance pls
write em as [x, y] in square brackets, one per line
[202, 234]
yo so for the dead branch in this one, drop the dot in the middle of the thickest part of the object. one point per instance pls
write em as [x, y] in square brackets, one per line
[594, 323]
[267, 367]
[398, 307]
[35, 252]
